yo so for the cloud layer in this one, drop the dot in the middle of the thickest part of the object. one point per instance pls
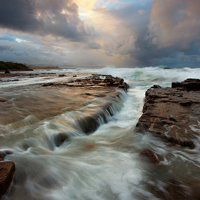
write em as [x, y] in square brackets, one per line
[59, 18]
[95, 32]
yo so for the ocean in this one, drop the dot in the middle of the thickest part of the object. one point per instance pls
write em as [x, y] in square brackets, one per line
[104, 165]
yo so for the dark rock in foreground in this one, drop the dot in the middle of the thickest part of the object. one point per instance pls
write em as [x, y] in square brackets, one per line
[173, 113]
[7, 170]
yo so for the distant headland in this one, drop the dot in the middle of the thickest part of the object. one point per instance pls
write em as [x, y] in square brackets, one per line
[11, 66]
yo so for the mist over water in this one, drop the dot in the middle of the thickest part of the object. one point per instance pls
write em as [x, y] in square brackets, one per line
[56, 159]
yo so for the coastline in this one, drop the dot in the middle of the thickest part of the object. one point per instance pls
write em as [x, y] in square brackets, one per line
[96, 113]
[104, 87]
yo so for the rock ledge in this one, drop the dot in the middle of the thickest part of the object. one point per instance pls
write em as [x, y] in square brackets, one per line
[173, 113]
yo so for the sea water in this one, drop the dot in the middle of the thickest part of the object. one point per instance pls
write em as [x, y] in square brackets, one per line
[105, 165]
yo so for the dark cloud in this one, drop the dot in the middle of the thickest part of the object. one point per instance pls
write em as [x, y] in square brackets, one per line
[154, 32]
[19, 15]
[59, 18]
[166, 32]
[172, 34]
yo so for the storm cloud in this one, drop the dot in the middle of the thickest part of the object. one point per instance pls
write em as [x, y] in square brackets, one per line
[59, 18]
[112, 32]
[166, 32]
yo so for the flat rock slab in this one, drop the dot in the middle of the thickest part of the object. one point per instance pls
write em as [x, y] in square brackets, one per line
[173, 113]
[7, 170]
[93, 81]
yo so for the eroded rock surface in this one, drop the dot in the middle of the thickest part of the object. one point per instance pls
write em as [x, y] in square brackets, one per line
[7, 170]
[173, 113]
[93, 81]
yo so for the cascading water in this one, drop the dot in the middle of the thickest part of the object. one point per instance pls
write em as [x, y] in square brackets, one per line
[56, 158]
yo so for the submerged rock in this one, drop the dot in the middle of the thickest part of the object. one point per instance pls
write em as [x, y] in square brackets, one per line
[60, 138]
[173, 113]
[174, 190]
[7, 170]
[153, 157]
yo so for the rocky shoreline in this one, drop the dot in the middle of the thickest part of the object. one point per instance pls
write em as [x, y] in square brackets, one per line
[173, 113]
[169, 113]
[89, 87]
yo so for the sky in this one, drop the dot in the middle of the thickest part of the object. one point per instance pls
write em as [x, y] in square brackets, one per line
[121, 33]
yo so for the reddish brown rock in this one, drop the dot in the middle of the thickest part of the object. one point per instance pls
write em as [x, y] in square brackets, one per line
[151, 156]
[173, 113]
[7, 170]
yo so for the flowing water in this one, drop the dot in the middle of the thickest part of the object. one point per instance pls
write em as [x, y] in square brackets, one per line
[103, 165]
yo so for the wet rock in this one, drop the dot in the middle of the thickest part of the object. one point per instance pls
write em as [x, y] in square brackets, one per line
[88, 94]
[4, 153]
[151, 156]
[2, 99]
[48, 84]
[189, 85]
[156, 86]
[93, 81]
[60, 138]
[172, 113]
[2, 156]
[7, 170]
[89, 124]
[176, 190]
[61, 75]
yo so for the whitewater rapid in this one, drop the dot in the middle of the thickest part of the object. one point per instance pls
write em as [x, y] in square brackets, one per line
[102, 166]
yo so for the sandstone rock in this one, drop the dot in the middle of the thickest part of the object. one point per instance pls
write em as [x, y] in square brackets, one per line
[173, 113]
[7, 170]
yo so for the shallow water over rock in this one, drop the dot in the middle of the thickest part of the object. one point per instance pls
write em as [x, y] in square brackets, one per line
[56, 158]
